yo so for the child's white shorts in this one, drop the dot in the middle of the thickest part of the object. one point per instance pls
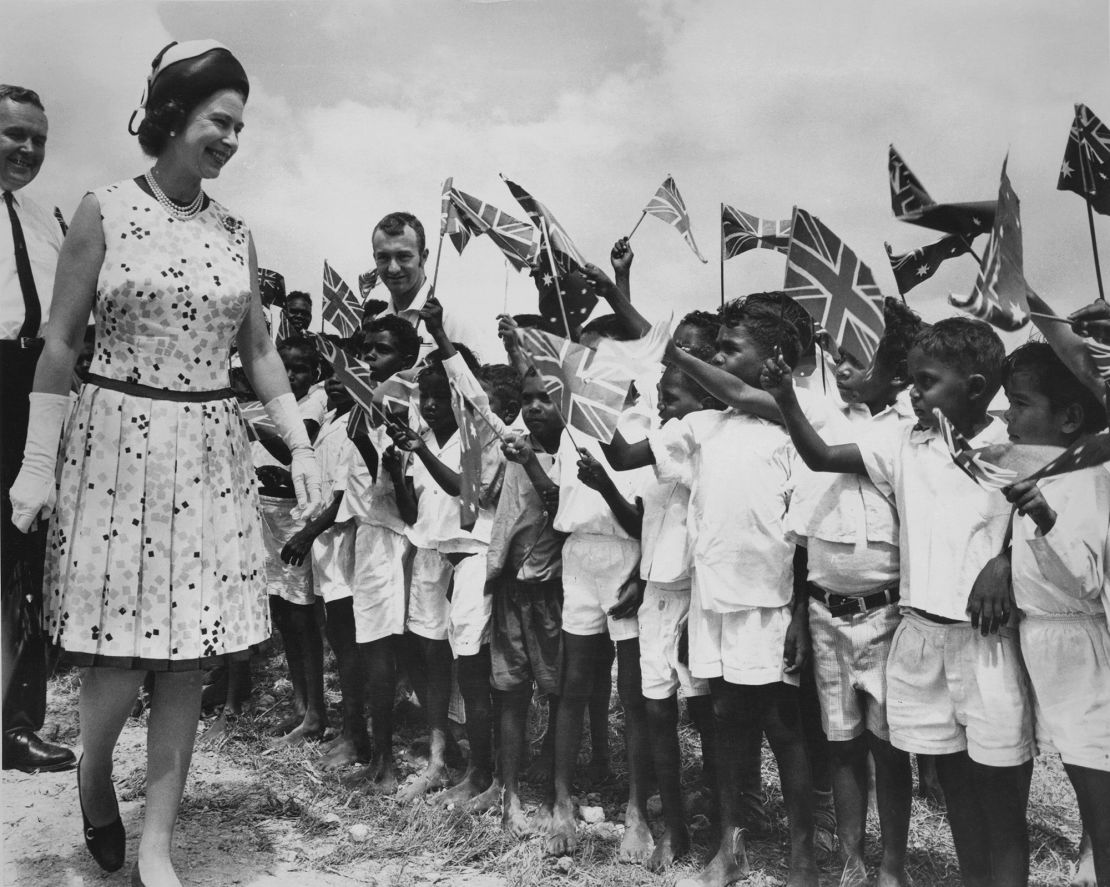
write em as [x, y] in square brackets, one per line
[594, 569]
[1068, 658]
[950, 689]
[662, 618]
[290, 583]
[745, 647]
[464, 620]
[849, 665]
[333, 561]
[378, 587]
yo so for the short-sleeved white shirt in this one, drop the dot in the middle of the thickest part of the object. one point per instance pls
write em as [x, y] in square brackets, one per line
[368, 499]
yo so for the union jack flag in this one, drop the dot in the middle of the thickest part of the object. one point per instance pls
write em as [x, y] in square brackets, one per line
[1000, 289]
[257, 420]
[668, 205]
[834, 286]
[1088, 154]
[516, 239]
[470, 460]
[271, 287]
[590, 405]
[1100, 354]
[285, 329]
[341, 308]
[988, 476]
[355, 374]
[394, 397]
[449, 222]
[1085, 453]
[553, 236]
[741, 231]
[912, 268]
[912, 203]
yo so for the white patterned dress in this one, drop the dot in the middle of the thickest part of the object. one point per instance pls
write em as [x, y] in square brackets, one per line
[155, 549]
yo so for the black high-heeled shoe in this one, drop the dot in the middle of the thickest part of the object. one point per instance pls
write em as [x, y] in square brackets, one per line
[106, 843]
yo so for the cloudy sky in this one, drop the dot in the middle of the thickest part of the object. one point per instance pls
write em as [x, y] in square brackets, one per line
[357, 109]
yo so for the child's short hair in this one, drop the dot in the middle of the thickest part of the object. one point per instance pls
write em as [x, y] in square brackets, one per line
[608, 326]
[767, 322]
[971, 346]
[432, 374]
[503, 381]
[791, 311]
[304, 344]
[1055, 381]
[298, 295]
[688, 384]
[901, 327]
[404, 335]
[707, 325]
[468, 356]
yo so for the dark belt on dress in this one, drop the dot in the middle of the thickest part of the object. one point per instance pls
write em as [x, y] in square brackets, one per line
[841, 606]
[137, 390]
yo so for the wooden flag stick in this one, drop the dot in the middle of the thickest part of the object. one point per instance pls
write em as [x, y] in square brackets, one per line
[435, 270]
[555, 277]
[637, 225]
[505, 299]
[1053, 317]
[1094, 249]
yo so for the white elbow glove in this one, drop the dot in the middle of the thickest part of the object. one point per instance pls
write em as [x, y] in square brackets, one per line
[286, 416]
[35, 490]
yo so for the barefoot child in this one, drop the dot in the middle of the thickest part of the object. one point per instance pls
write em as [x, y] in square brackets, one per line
[951, 692]
[374, 470]
[1060, 550]
[330, 548]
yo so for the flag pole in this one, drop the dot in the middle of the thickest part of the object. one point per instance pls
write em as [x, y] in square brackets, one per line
[1094, 249]
[643, 215]
[555, 277]
[722, 257]
[435, 270]
[505, 299]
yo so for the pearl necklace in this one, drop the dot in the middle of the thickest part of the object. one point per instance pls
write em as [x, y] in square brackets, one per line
[184, 213]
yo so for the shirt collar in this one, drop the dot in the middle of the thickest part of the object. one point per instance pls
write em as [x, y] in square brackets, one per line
[417, 303]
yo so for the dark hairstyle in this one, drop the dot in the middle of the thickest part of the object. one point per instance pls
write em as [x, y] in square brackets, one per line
[404, 335]
[181, 86]
[303, 344]
[468, 356]
[690, 385]
[608, 326]
[503, 380]
[394, 225]
[432, 374]
[790, 310]
[298, 294]
[901, 326]
[21, 96]
[968, 345]
[707, 325]
[1055, 381]
[766, 324]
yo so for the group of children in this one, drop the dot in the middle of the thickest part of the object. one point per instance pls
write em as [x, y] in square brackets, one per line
[748, 512]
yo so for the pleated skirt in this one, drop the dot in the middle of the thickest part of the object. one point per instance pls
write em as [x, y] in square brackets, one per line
[155, 551]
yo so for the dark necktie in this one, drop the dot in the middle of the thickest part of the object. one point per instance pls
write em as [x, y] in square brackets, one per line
[32, 313]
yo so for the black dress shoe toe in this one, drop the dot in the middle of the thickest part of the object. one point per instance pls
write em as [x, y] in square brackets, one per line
[106, 843]
[23, 750]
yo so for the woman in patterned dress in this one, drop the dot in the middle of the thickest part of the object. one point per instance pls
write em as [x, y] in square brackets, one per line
[154, 562]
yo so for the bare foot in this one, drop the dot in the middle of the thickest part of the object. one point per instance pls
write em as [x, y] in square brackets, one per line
[469, 787]
[346, 750]
[671, 845]
[217, 734]
[434, 777]
[728, 866]
[637, 843]
[854, 873]
[299, 736]
[513, 819]
[562, 837]
[291, 723]
[543, 817]
[487, 800]
[1085, 868]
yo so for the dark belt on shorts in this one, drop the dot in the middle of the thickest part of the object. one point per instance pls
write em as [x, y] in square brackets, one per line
[939, 620]
[841, 606]
[137, 390]
[22, 343]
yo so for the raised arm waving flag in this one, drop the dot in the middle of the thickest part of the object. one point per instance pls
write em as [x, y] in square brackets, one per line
[668, 205]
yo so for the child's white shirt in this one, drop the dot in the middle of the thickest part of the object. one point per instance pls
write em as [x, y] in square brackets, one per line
[739, 469]
[333, 449]
[949, 526]
[368, 499]
[664, 540]
[1064, 571]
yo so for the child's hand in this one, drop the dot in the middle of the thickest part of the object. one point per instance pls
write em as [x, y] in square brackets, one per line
[599, 280]
[775, 378]
[621, 256]
[1027, 498]
[392, 461]
[591, 473]
[297, 549]
[796, 648]
[992, 596]
[404, 437]
[629, 598]
[432, 315]
[509, 333]
[1093, 321]
[517, 449]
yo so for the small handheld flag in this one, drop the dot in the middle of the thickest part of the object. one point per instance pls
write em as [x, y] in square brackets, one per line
[988, 476]
[1086, 166]
[912, 268]
[271, 287]
[912, 203]
[341, 308]
[741, 231]
[668, 205]
[515, 239]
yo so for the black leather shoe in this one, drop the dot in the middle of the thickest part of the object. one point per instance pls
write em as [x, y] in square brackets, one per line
[23, 750]
[106, 843]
